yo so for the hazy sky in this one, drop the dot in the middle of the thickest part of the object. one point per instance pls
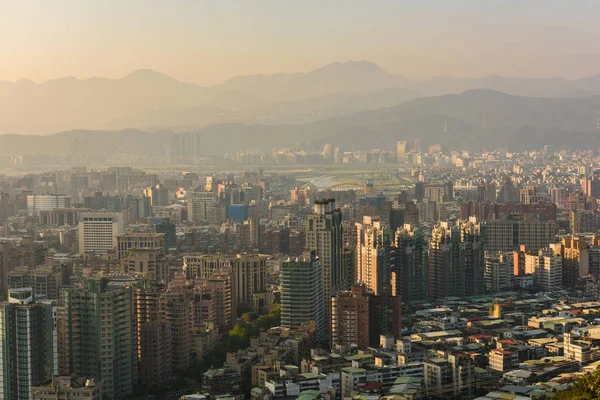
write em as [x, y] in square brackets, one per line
[208, 41]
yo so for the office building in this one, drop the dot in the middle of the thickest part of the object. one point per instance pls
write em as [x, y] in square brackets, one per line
[508, 235]
[61, 216]
[158, 195]
[138, 240]
[167, 228]
[100, 337]
[127, 178]
[99, 202]
[533, 195]
[302, 293]
[27, 344]
[98, 231]
[149, 262]
[137, 208]
[47, 202]
[67, 388]
[204, 206]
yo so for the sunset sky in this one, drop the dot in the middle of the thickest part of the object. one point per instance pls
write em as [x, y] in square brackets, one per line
[209, 41]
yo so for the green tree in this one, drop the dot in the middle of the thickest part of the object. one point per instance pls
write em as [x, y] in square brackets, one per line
[586, 387]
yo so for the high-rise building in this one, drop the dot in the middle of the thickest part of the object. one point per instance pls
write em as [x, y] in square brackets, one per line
[44, 281]
[435, 192]
[546, 268]
[177, 308]
[222, 284]
[498, 271]
[533, 195]
[107, 203]
[204, 206]
[456, 261]
[509, 234]
[409, 265]
[373, 254]
[486, 192]
[302, 293]
[453, 375]
[590, 186]
[158, 195]
[250, 271]
[100, 335]
[6, 265]
[350, 317]
[167, 228]
[155, 365]
[361, 318]
[324, 235]
[98, 231]
[419, 191]
[575, 259]
[27, 344]
[328, 152]
[138, 240]
[137, 208]
[149, 262]
[46, 202]
[481, 211]
[584, 221]
[153, 334]
[401, 150]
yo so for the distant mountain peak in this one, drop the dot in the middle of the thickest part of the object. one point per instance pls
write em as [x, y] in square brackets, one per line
[354, 66]
[147, 75]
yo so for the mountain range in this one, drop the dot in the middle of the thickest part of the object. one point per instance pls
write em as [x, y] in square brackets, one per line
[474, 120]
[151, 101]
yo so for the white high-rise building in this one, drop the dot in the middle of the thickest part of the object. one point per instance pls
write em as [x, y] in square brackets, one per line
[546, 268]
[46, 202]
[324, 234]
[98, 231]
[372, 254]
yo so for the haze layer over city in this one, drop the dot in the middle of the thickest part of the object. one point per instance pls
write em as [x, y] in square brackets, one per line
[269, 200]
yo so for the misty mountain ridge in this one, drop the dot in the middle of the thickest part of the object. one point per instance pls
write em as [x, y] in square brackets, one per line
[149, 100]
[474, 120]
